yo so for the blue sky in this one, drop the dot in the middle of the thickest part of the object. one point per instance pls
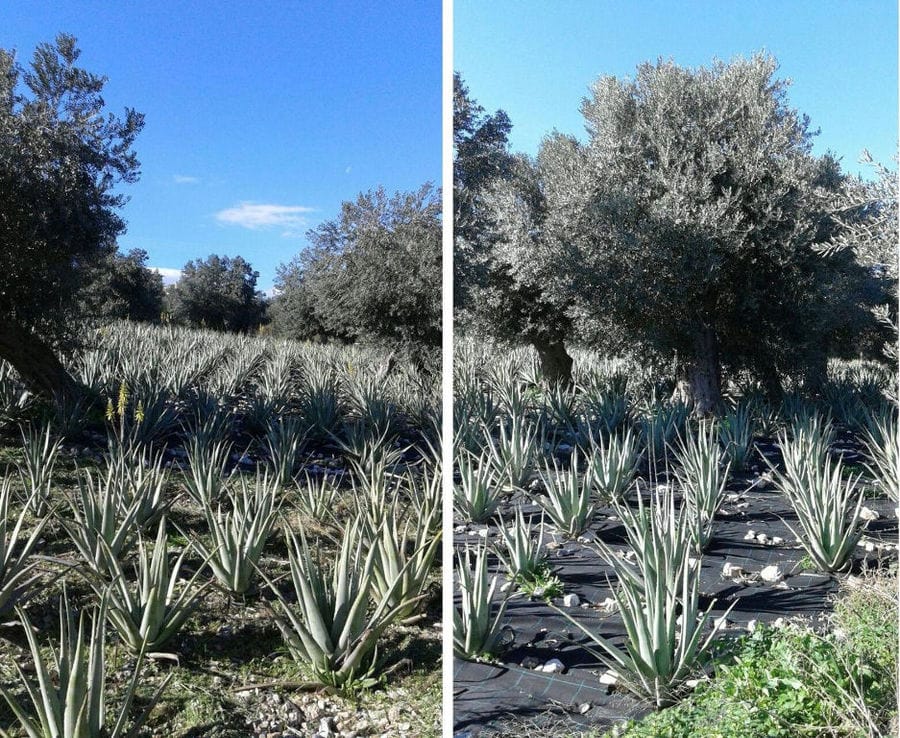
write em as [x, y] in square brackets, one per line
[535, 60]
[261, 117]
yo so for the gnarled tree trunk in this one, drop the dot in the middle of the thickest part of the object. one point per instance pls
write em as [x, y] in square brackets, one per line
[556, 364]
[36, 362]
[700, 380]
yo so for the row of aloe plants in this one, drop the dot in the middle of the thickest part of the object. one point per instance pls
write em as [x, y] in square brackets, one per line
[256, 436]
[572, 450]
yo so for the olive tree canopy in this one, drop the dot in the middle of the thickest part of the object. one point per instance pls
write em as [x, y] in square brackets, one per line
[61, 158]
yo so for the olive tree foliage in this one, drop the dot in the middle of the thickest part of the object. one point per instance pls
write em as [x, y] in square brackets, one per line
[371, 274]
[869, 230]
[61, 158]
[218, 293]
[688, 222]
[494, 291]
[123, 287]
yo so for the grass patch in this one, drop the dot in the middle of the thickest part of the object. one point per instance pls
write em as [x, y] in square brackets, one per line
[792, 681]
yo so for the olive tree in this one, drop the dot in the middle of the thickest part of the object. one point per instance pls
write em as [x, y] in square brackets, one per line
[373, 273]
[689, 222]
[498, 208]
[61, 159]
[219, 293]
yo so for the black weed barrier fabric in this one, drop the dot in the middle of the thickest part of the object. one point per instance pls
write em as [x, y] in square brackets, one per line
[513, 691]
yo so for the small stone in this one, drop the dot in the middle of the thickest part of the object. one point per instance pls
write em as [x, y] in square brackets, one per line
[720, 623]
[506, 586]
[751, 535]
[584, 708]
[553, 666]
[609, 678]
[777, 541]
[762, 538]
[571, 600]
[730, 570]
[869, 547]
[587, 537]
[779, 623]
[751, 625]
[771, 574]
[608, 605]
[459, 529]
[868, 514]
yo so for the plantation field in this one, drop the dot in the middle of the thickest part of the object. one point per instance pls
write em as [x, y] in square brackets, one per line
[614, 552]
[229, 536]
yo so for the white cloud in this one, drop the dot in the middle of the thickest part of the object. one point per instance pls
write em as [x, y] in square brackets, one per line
[169, 275]
[255, 215]
[185, 179]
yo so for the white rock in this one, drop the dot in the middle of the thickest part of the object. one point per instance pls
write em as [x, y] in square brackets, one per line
[762, 538]
[779, 623]
[506, 586]
[751, 535]
[609, 678]
[584, 708]
[571, 600]
[869, 547]
[777, 541]
[608, 605]
[693, 563]
[587, 537]
[720, 623]
[730, 570]
[483, 533]
[751, 625]
[554, 666]
[691, 683]
[771, 574]
[868, 514]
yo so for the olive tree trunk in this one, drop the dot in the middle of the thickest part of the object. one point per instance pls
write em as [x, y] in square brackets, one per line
[36, 363]
[700, 380]
[556, 364]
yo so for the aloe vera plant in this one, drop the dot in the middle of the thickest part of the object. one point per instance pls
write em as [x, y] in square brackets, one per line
[207, 475]
[703, 479]
[139, 478]
[40, 454]
[336, 623]
[405, 553]
[149, 612]
[736, 435]
[16, 570]
[478, 494]
[568, 502]
[285, 438]
[101, 524]
[512, 454]
[883, 448]
[477, 624]
[316, 497]
[826, 502]
[612, 465]
[240, 534]
[522, 553]
[69, 699]
[657, 599]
